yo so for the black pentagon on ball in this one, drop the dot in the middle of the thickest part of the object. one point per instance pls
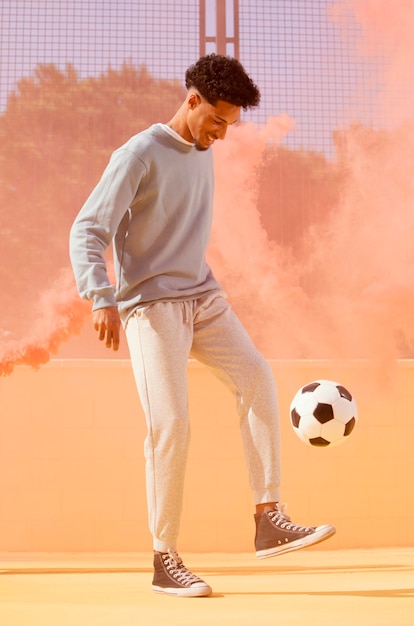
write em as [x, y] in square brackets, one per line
[349, 427]
[324, 413]
[343, 392]
[310, 387]
[320, 442]
[295, 417]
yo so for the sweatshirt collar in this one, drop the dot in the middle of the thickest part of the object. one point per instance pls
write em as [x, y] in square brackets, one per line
[174, 134]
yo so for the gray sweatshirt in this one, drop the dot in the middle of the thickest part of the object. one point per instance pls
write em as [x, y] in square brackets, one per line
[154, 202]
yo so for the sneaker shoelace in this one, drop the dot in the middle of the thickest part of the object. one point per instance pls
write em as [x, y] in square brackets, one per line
[177, 569]
[281, 519]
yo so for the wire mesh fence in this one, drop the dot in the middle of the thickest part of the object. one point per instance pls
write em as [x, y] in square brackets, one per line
[79, 77]
[304, 63]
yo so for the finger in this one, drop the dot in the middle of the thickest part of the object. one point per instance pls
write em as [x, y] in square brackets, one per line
[112, 340]
[115, 342]
[108, 342]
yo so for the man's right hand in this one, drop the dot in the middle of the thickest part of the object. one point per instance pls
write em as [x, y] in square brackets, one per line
[107, 323]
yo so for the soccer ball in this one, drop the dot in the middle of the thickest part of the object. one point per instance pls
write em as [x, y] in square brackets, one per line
[323, 413]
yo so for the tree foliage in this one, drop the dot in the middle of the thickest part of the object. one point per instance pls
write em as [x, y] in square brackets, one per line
[57, 134]
[298, 190]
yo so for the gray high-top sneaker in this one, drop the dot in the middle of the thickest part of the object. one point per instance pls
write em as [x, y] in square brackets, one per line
[276, 533]
[172, 577]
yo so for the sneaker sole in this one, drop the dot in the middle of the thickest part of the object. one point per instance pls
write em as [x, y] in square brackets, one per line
[320, 534]
[184, 592]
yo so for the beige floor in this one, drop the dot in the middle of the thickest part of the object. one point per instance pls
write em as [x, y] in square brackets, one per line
[307, 588]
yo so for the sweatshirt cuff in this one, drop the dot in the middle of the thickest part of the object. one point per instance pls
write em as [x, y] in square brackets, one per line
[101, 301]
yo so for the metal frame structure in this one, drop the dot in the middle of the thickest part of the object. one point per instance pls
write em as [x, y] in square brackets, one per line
[225, 38]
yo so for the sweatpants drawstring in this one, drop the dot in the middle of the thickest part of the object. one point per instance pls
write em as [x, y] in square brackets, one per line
[185, 308]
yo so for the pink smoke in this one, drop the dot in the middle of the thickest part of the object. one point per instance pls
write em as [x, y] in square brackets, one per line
[58, 315]
[351, 294]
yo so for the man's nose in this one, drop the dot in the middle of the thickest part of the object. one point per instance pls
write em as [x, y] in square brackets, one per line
[221, 133]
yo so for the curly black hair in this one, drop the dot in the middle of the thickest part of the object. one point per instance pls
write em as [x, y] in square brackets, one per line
[218, 77]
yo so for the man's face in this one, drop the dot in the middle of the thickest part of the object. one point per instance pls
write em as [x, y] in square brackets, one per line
[206, 122]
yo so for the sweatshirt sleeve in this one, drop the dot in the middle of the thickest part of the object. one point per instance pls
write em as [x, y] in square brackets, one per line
[97, 223]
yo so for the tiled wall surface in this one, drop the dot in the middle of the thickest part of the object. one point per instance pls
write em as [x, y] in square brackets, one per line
[72, 467]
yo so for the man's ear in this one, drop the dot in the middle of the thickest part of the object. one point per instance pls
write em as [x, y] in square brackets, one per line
[194, 100]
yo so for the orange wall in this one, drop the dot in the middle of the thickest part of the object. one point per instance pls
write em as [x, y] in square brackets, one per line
[72, 469]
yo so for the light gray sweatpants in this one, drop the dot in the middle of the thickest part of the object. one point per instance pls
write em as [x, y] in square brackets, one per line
[161, 337]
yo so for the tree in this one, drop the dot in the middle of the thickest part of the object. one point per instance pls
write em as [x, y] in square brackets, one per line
[57, 134]
[298, 190]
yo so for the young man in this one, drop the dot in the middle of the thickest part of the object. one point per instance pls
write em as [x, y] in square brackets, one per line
[154, 202]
